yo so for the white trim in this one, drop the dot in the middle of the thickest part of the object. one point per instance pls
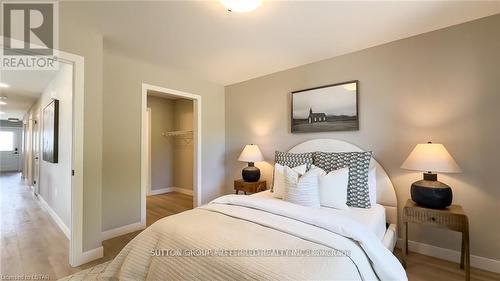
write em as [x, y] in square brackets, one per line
[196, 143]
[63, 227]
[148, 142]
[171, 189]
[160, 191]
[90, 255]
[122, 230]
[76, 255]
[451, 255]
[183, 190]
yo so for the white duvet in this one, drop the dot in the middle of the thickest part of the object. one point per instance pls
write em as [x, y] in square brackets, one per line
[236, 223]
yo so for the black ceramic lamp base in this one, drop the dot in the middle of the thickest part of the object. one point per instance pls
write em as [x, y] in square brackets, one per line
[431, 193]
[250, 173]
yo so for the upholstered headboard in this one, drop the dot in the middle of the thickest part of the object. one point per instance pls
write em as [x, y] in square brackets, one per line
[386, 195]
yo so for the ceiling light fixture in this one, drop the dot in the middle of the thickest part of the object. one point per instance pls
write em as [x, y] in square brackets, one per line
[2, 103]
[3, 85]
[241, 6]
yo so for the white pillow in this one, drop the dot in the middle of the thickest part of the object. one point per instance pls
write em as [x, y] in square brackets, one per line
[279, 178]
[372, 185]
[333, 188]
[302, 190]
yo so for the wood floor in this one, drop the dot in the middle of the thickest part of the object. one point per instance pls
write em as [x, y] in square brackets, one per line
[31, 243]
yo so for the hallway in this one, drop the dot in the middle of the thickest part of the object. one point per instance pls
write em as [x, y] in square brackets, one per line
[31, 243]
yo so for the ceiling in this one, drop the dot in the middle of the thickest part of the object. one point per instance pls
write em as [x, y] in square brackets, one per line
[25, 87]
[204, 39]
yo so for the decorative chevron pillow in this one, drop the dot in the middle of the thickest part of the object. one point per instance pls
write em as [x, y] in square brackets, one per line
[358, 194]
[292, 160]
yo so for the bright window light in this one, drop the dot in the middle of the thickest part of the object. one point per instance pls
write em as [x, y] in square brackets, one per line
[6, 141]
[3, 85]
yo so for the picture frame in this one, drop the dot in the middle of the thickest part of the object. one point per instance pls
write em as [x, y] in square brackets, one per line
[328, 108]
[50, 132]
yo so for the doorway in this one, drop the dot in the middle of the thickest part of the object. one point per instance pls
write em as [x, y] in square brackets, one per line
[10, 149]
[181, 138]
[76, 254]
[35, 157]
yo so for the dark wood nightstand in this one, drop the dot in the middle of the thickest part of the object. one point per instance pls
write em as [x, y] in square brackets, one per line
[452, 218]
[253, 187]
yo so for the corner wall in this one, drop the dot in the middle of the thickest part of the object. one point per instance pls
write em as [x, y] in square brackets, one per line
[441, 86]
[123, 78]
[162, 148]
[75, 38]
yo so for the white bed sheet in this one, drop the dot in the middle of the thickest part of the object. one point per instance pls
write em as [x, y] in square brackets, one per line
[373, 218]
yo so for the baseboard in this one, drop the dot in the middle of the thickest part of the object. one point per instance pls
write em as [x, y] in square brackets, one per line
[89, 256]
[171, 189]
[452, 255]
[183, 190]
[122, 230]
[54, 217]
[161, 191]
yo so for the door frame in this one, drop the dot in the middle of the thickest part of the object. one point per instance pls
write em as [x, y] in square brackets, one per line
[148, 143]
[76, 254]
[36, 146]
[197, 141]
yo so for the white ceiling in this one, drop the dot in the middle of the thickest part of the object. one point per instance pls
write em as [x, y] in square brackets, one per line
[26, 86]
[202, 38]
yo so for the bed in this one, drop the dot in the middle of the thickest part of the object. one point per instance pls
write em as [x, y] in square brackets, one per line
[259, 237]
[386, 195]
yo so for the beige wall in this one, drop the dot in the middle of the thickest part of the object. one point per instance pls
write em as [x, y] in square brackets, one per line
[441, 86]
[183, 149]
[123, 78]
[162, 147]
[55, 178]
[75, 38]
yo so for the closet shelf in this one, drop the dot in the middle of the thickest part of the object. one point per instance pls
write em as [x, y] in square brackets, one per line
[179, 133]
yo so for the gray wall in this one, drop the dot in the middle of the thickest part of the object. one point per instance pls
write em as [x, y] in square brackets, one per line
[183, 145]
[123, 78]
[441, 86]
[171, 157]
[162, 147]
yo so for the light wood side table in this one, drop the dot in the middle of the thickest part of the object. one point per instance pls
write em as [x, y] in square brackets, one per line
[253, 187]
[452, 218]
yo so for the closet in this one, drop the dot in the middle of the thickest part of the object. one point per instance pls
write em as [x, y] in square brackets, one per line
[170, 145]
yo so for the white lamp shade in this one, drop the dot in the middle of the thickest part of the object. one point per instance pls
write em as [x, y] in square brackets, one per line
[251, 153]
[431, 157]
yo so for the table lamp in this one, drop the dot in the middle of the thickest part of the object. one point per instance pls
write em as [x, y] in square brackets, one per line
[431, 158]
[250, 154]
